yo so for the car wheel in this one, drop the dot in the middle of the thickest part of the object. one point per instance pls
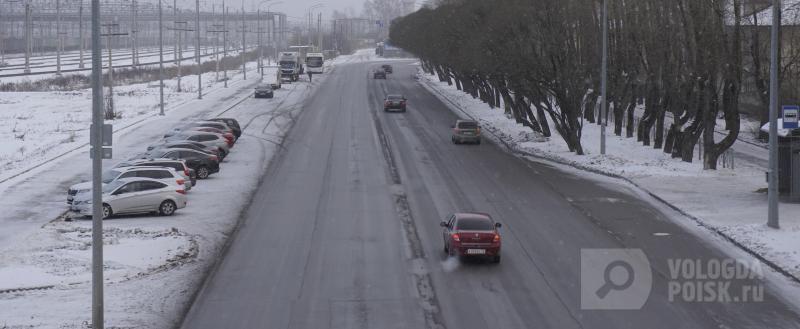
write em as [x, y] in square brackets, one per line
[107, 212]
[167, 208]
[496, 259]
[202, 172]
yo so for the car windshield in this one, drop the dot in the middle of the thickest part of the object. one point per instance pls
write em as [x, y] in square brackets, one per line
[287, 65]
[263, 87]
[314, 62]
[468, 125]
[474, 224]
[395, 97]
[110, 175]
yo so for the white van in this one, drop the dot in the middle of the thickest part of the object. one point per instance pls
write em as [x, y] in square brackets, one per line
[315, 63]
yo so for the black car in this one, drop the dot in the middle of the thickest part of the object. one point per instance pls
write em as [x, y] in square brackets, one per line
[394, 102]
[178, 165]
[387, 68]
[379, 75]
[204, 164]
[232, 123]
[263, 91]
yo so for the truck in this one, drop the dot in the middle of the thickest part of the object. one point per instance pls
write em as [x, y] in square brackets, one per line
[290, 66]
[314, 63]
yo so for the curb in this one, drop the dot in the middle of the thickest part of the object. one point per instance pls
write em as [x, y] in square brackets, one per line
[699, 221]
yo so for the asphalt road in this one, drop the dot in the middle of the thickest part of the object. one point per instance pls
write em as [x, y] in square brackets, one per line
[344, 231]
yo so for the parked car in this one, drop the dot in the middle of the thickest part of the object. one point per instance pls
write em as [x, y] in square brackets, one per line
[190, 145]
[134, 196]
[263, 91]
[471, 234]
[179, 166]
[466, 131]
[201, 124]
[210, 139]
[203, 163]
[230, 138]
[219, 149]
[158, 173]
[232, 123]
[379, 74]
[387, 68]
[394, 102]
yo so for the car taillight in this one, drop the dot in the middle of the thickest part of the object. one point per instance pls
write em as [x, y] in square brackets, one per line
[478, 130]
[181, 191]
[456, 238]
[229, 136]
[186, 172]
[180, 181]
[386, 103]
[496, 238]
[215, 158]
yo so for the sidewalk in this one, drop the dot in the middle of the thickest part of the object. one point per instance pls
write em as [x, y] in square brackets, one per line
[725, 201]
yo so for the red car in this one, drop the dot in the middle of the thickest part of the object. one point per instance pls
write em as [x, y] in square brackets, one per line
[471, 234]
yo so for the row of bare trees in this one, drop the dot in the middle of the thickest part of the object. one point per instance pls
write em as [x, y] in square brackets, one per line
[676, 68]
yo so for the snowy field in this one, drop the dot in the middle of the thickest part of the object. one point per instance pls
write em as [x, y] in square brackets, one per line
[153, 265]
[728, 201]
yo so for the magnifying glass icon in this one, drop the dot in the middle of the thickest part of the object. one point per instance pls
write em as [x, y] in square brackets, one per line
[610, 284]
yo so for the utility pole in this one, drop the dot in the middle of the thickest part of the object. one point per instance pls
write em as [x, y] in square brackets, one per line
[218, 28]
[58, 38]
[604, 80]
[80, 32]
[244, 45]
[160, 59]
[179, 48]
[177, 33]
[260, 46]
[772, 189]
[319, 32]
[97, 171]
[224, 42]
[28, 36]
[110, 115]
[133, 32]
[197, 52]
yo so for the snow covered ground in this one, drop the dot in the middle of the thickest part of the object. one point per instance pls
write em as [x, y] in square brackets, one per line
[153, 265]
[727, 201]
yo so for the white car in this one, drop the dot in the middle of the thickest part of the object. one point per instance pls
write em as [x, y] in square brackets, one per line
[158, 173]
[134, 196]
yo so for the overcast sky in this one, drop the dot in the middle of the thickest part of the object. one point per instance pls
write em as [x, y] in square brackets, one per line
[297, 8]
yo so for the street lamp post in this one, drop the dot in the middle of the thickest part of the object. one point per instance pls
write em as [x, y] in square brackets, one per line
[772, 189]
[160, 59]
[97, 168]
[604, 80]
[197, 52]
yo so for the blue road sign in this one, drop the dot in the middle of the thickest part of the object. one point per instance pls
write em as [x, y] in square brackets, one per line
[790, 114]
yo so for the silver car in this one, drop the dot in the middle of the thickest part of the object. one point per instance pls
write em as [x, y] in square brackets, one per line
[205, 138]
[134, 196]
[158, 173]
